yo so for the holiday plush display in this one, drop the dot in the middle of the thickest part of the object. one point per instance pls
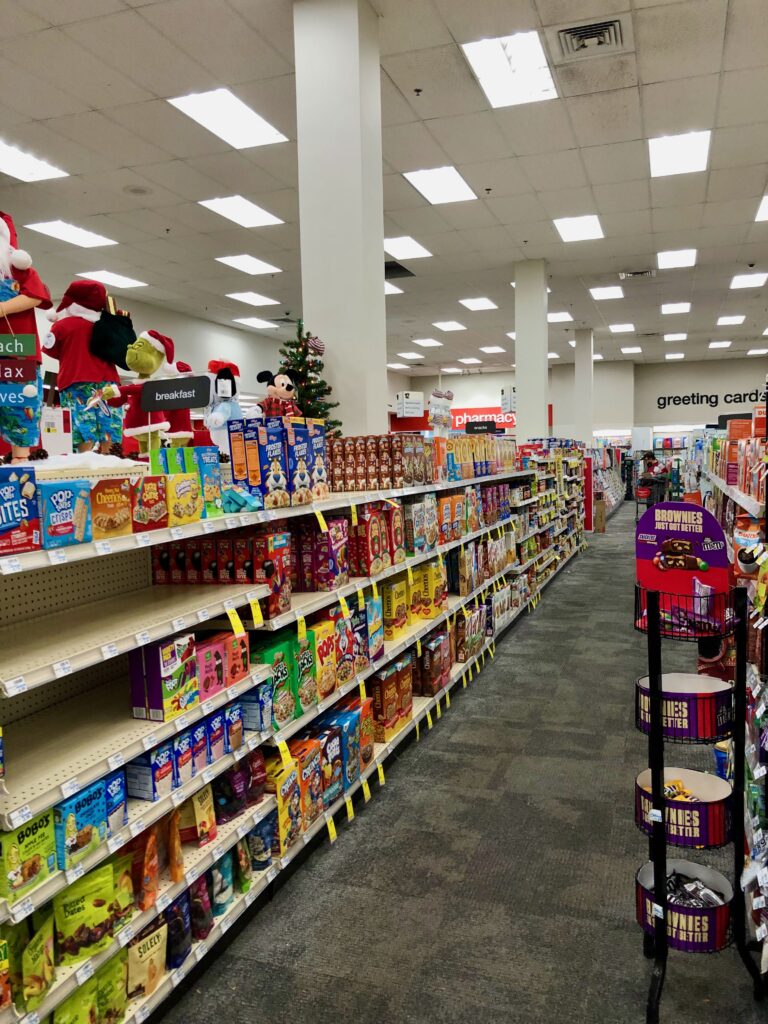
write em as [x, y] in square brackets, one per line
[224, 405]
[112, 334]
[301, 358]
[21, 379]
[179, 430]
[281, 394]
[81, 373]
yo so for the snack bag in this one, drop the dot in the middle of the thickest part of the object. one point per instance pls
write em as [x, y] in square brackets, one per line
[197, 821]
[179, 941]
[146, 960]
[243, 869]
[124, 901]
[16, 937]
[201, 914]
[5, 975]
[222, 874]
[175, 849]
[111, 995]
[257, 777]
[145, 867]
[261, 839]
[37, 965]
[84, 923]
[229, 794]
[82, 1007]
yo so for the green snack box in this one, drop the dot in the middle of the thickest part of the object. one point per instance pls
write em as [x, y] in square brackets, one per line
[304, 666]
[204, 460]
[28, 856]
[285, 698]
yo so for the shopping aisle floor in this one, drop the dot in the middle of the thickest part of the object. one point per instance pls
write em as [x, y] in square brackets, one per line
[492, 879]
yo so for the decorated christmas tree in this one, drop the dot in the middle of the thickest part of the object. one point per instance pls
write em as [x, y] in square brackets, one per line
[302, 355]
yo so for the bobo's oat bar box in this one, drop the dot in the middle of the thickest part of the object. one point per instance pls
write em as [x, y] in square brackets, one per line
[27, 856]
[19, 515]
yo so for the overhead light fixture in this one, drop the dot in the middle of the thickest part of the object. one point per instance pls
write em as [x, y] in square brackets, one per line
[552, 355]
[410, 355]
[405, 248]
[449, 325]
[572, 342]
[679, 154]
[478, 304]
[720, 344]
[672, 258]
[253, 321]
[115, 280]
[392, 289]
[253, 298]
[70, 233]
[240, 210]
[397, 366]
[621, 328]
[614, 291]
[223, 114]
[675, 337]
[470, 361]
[492, 350]
[451, 369]
[579, 229]
[17, 164]
[757, 352]
[427, 342]
[513, 335]
[511, 69]
[731, 321]
[762, 210]
[549, 290]
[748, 280]
[675, 355]
[668, 308]
[596, 357]
[248, 264]
[765, 333]
[559, 318]
[440, 185]
[631, 351]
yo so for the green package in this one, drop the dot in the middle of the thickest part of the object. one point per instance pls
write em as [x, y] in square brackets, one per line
[124, 901]
[27, 856]
[84, 918]
[111, 988]
[285, 697]
[17, 937]
[37, 965]
[81, 1007]
[243, 867]
[205, 461]
[304, 666]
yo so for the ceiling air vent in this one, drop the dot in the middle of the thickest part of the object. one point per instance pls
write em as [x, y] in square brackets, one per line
[630, 275]
[604, 38]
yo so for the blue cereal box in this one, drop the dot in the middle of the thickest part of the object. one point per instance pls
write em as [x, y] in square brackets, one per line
[150, 775]
[375, 621]
[19, 515]
[199, 736]
[272, 464]
[80, 825]
[245, 465]
[183, 761]
[349, 724]
[216, 736]
[318, 459]
[116, 793]
[233, 727]
[204, 460]
[251, 711]
[298, 455]
[65, 512]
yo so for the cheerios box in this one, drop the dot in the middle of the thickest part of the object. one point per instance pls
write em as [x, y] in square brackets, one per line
[164, 679]
[204, 460]
[80, 825]
[27, 856]
[65, 512]
[283, 781]
[111, 508]
[19, 515]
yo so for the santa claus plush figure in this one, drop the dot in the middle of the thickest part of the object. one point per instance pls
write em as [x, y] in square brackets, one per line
[82, 374]
[21, 378]
[179, 432]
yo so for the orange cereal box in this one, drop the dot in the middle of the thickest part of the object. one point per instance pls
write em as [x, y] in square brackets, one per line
[322, 637]
[307, 755]
[111, 508]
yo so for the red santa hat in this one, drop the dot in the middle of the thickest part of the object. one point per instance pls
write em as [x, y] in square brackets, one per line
[183, 367]
[217, 365]
[163, 344]
[20, 259]
[83, 295]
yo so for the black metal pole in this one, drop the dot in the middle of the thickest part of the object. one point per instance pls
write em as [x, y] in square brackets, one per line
[658, 844]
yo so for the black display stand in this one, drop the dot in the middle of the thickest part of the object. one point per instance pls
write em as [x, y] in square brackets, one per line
[656, 946]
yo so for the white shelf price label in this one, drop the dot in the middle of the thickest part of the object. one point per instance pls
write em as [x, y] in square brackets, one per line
[125, 934]
[141, 1014]
[272, 874]
[57, 557]
[761, 932]
[142, 638]
[143, 540]
[762, 876]
[62, 668]
[225, 924]
[218, 852]
[103, 547]
[74, 873]
[177, 533]
[758, 902]
[15, 686]
[192, 875]
[657, 910]
[109, 651]
[115, 761]
[70, 787]
[655, 815]
[149, 741]
[243, 829]
[85, 972]
[10, 565]
[208, 775]
[208, 706]
[250, 896]
[23, 909]
[760, 771]
[136, 827]
[115, 842]
[200, 950]
[163, 901]
[181, 722]
[231, 522]
[208, 526]
[245, 519]
[252, 742]
[203, 615]
[177, 797]
[178, 624]
[31, 1018]
[178, 976]
[760, 710]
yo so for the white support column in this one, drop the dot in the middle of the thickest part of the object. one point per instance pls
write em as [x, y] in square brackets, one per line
[338, 115]
[583, 403]
[531, 346]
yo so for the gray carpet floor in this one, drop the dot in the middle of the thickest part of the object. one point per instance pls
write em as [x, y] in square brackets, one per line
[492, 879]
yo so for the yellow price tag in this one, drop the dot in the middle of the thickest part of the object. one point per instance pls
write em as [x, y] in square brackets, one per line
[429, 720]
[344, 606]
[301, 628]
[418, 732]
[360, 600]
[362, 689]
[438, 709]
[235, 621]
[256, 614]
[285, 754]
[366, 790]
[350, 808]
[321, 520]
[374, 590]
[409, 570]
[331, 828]
[465, 610]
[353, 511]
[447, 698]
[418, 648]
[382, 780]
[492, 653]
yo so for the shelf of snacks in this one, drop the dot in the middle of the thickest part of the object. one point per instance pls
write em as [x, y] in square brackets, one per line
[129, 621]
[522, 504]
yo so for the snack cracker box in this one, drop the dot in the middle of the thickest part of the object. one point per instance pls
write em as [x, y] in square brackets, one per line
[298, 459]
[211, 667]
[116, 796]
[331, 763]
[204, 461]
[244, 452]
[233, 727]
[27, 856]
[111, 508]
[149, 503]
[284, 696]
[272, 463]
[360, 646]
[307, 754]
[150, 776]
[164, 678]
[185, 498]
[345, 645]
[183, 761]
[349, 723]
[304, 668]
[375, 621]
[318, 460]
[80, 825]
[394, 598]
[65, 512]
[322, 638]
[283, 781]
[214, 725]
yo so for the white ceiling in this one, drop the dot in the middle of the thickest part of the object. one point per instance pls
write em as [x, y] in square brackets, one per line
[83, 84]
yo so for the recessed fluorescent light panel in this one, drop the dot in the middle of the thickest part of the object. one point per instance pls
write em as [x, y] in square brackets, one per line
[451, 369]
[757, 352]
[513, 334]
[621, 328]
[559, 318]
[397, 366]
[511, 69]
[613, 291]
[572, 343]
[470, 361]
[115, 280]
[248, 264]
[675, 337]
[70, 233]
[596, 357]
[762, 210]
[549, 290]
[449, 325]
[405, 248]
[673, 258]
[392, 289]
[222, 113]
[18, 164]
[477, 304]
[578, 229]
[410, 355]
[631, 351]
[253, 321]
[552, 355]
[678, 154]
[440, 185]
[492, 350]
[675, 307]
[242, 211]
[730, 321]
[720, 344]
[252, 298]
[749, 280]
[428, 342]
[675, 355]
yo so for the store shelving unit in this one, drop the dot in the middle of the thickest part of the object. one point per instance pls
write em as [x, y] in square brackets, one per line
[746, 501]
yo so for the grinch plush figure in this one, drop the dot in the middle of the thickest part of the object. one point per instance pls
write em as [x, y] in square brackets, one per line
[21, 377]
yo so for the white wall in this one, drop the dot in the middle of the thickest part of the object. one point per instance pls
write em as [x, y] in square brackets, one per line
[696, 392]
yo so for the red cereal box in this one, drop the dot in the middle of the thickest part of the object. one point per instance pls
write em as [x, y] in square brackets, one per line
[345, 645]
[225, 560]
[194, 559]
[161, 564]
[178, 565]
[149, 504]
[208, 560]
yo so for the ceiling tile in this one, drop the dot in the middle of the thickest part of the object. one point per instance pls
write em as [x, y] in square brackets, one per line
[680, 40]
[567, 202]
[23, 91]
[618, 162]
[673, 218]
[468, 215]
[502, 177]
[521, 209]
[548, 174]
[182, 178]
[536, 127]
[414, 26]
[97, 133]
[237, 175]
[580, 77]
[746, 35]
[626, 223]
[272, 19]
[495, 240]
[737, 183]
[470, 137]
[425, 220]
[19, 19]
[618, 196]
[281, 162]
[410, 147]
[57, 13]
[444, 76]
[492, 18]
[743, 97]
[736, 211]
[69, 154]
[394, 109]
[678, 189]
[606, 117]
[685, 105]
[158, 120]
[738, 146]
[552, 12]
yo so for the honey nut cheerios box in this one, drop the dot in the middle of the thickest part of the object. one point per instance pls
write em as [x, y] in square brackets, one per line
[111, 508]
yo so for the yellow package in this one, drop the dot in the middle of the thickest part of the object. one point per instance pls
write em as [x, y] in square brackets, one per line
[185, 499]
[395, 605]
[432, 591]
[283, 781]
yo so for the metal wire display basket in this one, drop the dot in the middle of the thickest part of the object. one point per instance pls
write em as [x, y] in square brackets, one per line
[688, 616]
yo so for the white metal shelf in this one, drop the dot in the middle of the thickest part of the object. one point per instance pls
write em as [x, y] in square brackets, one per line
[746, 501]
[520, 504]
[70, 640]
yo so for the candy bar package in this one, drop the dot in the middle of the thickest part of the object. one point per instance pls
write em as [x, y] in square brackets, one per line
[65, 512]
[19, 515]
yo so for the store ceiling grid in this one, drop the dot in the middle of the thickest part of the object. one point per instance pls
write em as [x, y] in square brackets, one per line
[138, 167]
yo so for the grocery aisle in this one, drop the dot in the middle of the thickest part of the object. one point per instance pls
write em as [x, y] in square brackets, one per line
[493, 879]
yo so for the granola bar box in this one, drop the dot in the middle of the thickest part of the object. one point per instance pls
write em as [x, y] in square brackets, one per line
[185, 498]
[149, 503]
[19, 515]
[111, 508]
[27, 856]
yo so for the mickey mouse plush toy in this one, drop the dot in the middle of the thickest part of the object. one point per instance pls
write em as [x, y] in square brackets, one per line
[281, 393]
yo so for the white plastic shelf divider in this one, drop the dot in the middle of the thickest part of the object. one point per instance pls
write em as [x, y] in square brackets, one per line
[58, 751]
[79, 552]
[746, 501]
[67, 641]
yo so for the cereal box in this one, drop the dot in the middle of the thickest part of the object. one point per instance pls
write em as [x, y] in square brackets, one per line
[284, 697]
[209, 568]
[178, 564]
[386, 707]
[236, 656]
[204, 460]
[65, 512]
[404, 688]
[415, 595]
[373, 549]
[80, 825]
[349, 723]
[183, 762]
[331, 561]
[445, 519]
[299, 455]
[307, 754]
[272, 462]
[375, 622]
[193, 551]
[244, 452]
[271, 554]
[360, 632]
[185, 499]
[116, 796]
[164, 681]
[345, 645]
[457, 507]
[28, 856]
[365, 708]
[149, 503]
[150, 776]
[331, 764]
[211, 667]
[431, 526]
[304, 667]
[415, 536]
[322, 638]
[111, 508]
[317, 462]
[283, 781]
[225, 559]
[394, 597]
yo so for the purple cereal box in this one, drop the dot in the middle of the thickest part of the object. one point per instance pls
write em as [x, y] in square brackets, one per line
[331, 561]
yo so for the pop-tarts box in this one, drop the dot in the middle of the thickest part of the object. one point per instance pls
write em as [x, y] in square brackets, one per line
[245, 464]
[216, 736]
[150, 775]
[298, 456]
[272, 465]
[116, 795]
[233, 727]
[199, 739]
[80, 825]
[318, 459]
[19, 515]
[65, 512]
[183, 762]
[204, 460]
